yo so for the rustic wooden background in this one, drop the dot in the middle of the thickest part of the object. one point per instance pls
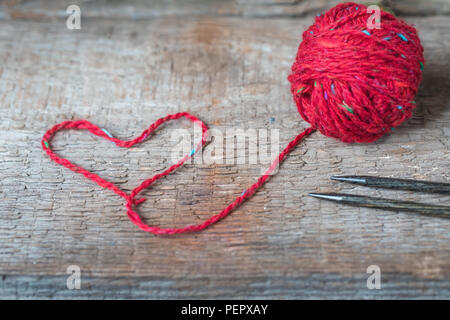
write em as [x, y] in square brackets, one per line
[227, 62]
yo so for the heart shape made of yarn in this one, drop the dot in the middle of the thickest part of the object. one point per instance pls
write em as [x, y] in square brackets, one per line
[131, 199]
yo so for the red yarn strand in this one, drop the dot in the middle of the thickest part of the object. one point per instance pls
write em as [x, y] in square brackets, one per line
[131, 199]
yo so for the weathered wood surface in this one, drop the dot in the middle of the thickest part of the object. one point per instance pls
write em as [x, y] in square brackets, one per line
[43, 10]
[123, 74]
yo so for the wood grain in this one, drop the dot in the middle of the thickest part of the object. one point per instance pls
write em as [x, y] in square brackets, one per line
[123, 74]
[48, 10]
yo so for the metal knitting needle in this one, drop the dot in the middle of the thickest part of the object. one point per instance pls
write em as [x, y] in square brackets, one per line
[399, 184]
[388, 204]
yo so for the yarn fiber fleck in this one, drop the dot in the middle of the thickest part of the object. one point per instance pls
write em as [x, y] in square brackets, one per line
[354, 83]
[348, 82]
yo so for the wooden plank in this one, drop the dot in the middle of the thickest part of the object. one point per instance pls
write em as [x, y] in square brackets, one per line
[313, 286]
[421, 8]
[231, 72]
[140, 9]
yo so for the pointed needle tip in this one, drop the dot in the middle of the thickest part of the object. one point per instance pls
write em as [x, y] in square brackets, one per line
[341, 178]
[326, 196]
[350, 179]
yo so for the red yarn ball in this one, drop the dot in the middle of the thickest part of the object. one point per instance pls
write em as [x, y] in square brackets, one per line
[354, 83]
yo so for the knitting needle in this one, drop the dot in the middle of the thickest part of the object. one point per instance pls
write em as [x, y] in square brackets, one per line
[391, 183]
[389, 204]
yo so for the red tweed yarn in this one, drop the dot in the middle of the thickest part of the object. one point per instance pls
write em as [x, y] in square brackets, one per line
[354, 83]
[133, 199]
[348, 82]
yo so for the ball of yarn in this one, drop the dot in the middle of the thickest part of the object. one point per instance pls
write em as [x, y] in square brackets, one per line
[352, 82]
